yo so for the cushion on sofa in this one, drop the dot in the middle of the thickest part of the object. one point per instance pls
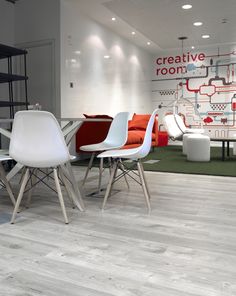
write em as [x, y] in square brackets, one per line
[102, 116]
[139, 122]
[136, 137]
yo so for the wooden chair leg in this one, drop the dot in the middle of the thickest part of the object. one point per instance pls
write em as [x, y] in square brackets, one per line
[100, 174]
[110, 163]
[60, 197]
[7, 184]
[20, 195]
[145, 180]
[145, 191]
[89, 167]
[109, 186]
[30, 192]
[22, 174]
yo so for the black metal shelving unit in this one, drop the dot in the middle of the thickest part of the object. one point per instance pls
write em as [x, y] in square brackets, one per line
[8, 53]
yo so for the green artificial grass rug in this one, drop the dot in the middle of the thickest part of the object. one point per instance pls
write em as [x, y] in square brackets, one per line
[170, 159]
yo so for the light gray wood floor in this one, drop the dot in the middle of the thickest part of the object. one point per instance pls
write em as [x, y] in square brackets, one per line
[185, 247]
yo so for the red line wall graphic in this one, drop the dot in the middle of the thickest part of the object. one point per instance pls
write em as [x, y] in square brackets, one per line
[206, 79]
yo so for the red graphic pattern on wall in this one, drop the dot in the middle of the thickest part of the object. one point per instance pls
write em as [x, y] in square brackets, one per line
[207, 79]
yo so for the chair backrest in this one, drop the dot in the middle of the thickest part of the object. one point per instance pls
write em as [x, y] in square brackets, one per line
[144, 149]
[173, 125]
[118, 131]
[37, 140]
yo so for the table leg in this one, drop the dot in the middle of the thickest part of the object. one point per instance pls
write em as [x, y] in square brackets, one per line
[228, 148]
[223, 150]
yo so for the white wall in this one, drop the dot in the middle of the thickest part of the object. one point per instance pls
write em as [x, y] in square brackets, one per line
[38, 23]
[100, 85]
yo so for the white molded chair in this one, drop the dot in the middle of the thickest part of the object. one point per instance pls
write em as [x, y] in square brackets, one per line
[115, 139]
[134, 154]
[37, 143]
[176, 128]
[3, 180]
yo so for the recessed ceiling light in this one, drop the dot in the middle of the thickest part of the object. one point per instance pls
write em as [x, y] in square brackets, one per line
[205, 36]
[113, 19]
[187, 6]
[133, 33]
[192, 47]
[197, 24]
[77, 52]
[106, 57]
[148, 43]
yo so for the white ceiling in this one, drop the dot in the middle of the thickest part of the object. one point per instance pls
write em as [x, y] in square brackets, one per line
[163, 21]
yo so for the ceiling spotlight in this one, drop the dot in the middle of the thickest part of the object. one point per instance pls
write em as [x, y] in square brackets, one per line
[113, 19]
[148, 43]
[77, 52]
[192, 47]
[205, 36]
[197, 24]
[106, 57]
[187, 6]
[133, 33]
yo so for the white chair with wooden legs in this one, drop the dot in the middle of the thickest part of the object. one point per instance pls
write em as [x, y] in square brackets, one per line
[3, 180]
[115, 139]
[37, 143]
[134, 154]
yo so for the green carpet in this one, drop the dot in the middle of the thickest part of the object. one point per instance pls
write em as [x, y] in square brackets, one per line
[172, 160]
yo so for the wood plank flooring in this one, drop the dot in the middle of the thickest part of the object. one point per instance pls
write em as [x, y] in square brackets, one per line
[185, 247]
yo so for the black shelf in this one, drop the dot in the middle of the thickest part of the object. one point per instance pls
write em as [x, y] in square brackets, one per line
[9, 104]
[9, 51]
[11, 77]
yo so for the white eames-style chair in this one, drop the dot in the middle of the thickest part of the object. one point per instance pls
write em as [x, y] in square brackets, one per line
[37, 143]
[115, 139]
[176, 128]
[134, 154]
[3, 180]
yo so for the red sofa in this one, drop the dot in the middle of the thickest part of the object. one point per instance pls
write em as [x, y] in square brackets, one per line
[95, 132]
[92, 132]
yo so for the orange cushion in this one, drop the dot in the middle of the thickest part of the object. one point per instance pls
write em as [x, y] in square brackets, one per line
[136, 137]
[139, 122]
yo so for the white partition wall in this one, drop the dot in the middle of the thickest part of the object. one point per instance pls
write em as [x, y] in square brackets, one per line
[100, 71]
[94, 70]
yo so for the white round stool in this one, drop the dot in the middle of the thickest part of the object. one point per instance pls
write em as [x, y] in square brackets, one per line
[185, 136]
[198, 148]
